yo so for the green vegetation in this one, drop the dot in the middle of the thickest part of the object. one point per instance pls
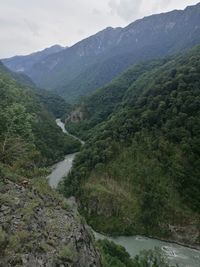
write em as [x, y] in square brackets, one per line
[68, 253]
[29, 136]
[139, 169]
[3, 240]
[53, 103]
[36, 221]
[104, 101]
[116, 256]
[19, 77]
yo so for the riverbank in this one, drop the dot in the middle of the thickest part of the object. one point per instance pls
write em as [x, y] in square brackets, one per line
[186, 245]
[180, 253]
[62, 126]
[176, 254]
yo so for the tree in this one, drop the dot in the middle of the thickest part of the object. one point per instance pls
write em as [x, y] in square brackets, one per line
[16, 133]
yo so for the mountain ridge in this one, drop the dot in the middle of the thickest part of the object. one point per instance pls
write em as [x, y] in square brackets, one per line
[21, 63]
[98, 59]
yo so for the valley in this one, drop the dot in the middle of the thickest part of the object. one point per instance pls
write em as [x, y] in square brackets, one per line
[176, 254]
[100, 139]
[134, 158]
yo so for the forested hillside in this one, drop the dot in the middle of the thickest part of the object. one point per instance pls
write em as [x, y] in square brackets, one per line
[100, 139]
[38, 227]
[92, 110]
[27, 129]
[139, 169]
[55, 104]
[35, 221]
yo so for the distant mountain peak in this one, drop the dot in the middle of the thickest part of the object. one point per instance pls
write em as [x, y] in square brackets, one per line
[96, 60]
[54, 48]
[25, 63]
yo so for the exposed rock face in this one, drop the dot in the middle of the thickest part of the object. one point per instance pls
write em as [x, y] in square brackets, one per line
[37, 228]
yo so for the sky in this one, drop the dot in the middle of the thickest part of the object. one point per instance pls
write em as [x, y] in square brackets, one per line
[31, 25]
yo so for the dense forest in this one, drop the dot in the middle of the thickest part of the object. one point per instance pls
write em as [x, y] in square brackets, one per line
[29, 141]
[98, 106]
[31, 213]
[53, 103]
[139, 169]
[29, 136]
[100, 138]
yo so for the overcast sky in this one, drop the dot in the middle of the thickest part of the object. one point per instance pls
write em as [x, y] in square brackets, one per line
[31, 25]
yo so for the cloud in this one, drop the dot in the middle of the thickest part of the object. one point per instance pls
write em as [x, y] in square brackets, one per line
[97, 11]
[126, 9]
[30, 25]
[161, 4]
[33, 27]
[130, 10]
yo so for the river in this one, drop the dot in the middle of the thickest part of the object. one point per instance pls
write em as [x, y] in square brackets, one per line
[181, 255]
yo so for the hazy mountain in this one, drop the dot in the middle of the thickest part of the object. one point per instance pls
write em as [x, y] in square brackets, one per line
[25, 63]
[20, 77]
[96, 60]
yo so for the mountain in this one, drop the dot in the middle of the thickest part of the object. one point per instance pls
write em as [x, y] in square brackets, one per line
[27, 125]
[19, 77]
[93, 62]
[96, 108]
[138, 172]
[37, 226]
[55, 104]
[25, 63]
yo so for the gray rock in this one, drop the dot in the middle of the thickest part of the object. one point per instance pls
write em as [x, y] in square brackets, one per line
[43, 234]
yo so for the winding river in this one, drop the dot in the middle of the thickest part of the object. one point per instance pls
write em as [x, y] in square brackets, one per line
[176, 254]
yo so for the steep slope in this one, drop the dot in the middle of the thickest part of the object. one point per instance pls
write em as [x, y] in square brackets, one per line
[96, 60]
[151, 37]
[97, 107]
[65, 66]
[19, 77]
[25, 63]
[27, 127]
[37, 226]
[139, 169]
[53, 103]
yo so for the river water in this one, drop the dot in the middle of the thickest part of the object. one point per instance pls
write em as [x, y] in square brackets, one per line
[60, 170]
[176, 254]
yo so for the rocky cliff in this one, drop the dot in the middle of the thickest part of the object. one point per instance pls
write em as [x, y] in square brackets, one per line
[38, 228]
